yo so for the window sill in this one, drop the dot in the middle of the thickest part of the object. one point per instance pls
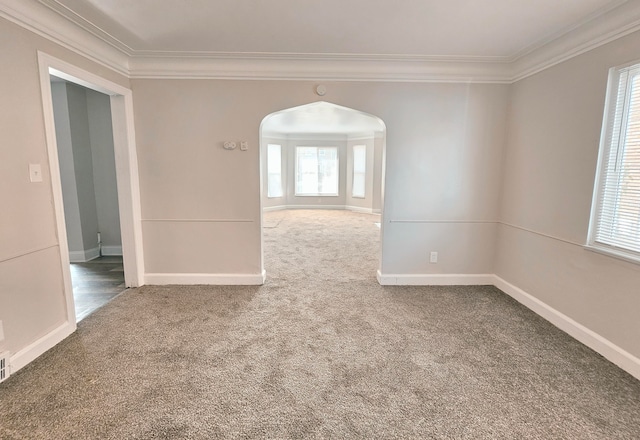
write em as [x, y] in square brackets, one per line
[317, 195]
[620, 255]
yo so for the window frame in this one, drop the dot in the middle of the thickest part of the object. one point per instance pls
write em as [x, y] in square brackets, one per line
[612, 143]
[269, 196]
[295, 176]
[363, 173]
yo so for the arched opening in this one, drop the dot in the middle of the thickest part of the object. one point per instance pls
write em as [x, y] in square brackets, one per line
[322, 156]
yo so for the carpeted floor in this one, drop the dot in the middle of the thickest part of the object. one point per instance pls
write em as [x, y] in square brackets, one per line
[320, 351]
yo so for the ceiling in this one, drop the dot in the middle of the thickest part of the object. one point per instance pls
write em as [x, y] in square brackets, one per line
[321, 118]
[439, 28]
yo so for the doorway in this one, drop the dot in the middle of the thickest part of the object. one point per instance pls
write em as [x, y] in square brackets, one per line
[84, 137]
[321, 156]
[126, 175]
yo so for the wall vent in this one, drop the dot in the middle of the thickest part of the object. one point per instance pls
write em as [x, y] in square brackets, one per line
[4, 366]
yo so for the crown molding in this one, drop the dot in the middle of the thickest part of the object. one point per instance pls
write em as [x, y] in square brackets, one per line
[57, 23]
[604, 28]
[88, 26]
[42, 21]
[319, 67]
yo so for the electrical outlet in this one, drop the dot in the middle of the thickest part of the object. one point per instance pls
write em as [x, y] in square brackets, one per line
[433, 257]
[229, 145]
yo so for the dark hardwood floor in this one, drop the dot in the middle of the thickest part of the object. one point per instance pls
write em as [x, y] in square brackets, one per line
[95, 283]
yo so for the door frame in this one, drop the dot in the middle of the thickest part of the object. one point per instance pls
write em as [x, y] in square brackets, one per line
[126, 160]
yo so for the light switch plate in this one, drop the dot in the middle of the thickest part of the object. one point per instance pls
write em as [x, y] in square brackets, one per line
[244, 145]
[35, 172]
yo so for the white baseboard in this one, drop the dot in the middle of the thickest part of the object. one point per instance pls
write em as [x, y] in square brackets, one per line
[84, 256]
[32, 351]
[274, 208]
[338, 207]
[161, 279]
[591, 339]
[359, 209]
[435, 279]
[112, 251]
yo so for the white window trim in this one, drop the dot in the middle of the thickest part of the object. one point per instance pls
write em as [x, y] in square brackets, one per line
[606, 136]
[295, 176]
[353, 172]
[281, 174]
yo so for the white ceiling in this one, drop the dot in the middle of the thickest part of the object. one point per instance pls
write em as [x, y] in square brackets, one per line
[447, 28]
[321, 118]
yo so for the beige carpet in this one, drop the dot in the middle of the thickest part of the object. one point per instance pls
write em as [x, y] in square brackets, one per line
[320, 351]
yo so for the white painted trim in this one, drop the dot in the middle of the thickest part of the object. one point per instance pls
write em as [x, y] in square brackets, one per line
[435, 279]
[161, 279]
[333, 207]
[316, 67]
[274, 208]
[359, 209]
[32, 351]
[84, 255]
[38, 19]
[112, 251]
[54, 21]
[126, 169]
[591, 339]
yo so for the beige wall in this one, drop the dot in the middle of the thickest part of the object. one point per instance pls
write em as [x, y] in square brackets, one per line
[31, 287]
[554, 128]
[450, 177]
[200, 203]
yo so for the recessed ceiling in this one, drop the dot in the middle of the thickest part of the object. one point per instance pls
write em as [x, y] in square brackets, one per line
[321, 118]
[447, 28]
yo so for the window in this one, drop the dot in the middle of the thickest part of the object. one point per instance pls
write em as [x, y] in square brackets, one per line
[316, 171]
[359, 170]
[274, 170]
[615, 218]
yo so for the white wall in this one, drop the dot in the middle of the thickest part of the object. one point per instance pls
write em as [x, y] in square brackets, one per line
[32, 300]
[554, 128]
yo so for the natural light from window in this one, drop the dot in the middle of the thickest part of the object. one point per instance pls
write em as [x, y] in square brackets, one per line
[616, 217]
[359, 171]
[274, 170]
[316, 171]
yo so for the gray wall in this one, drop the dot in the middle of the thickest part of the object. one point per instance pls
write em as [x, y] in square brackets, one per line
[32, 300]
[84, 136]
[104, 171]
[554, 128]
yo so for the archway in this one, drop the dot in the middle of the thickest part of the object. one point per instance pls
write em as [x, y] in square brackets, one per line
[321, 156]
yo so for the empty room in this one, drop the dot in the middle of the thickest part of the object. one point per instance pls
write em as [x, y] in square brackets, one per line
[353, 219]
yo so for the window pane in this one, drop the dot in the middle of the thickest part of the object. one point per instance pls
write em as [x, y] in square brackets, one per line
[316, 171]
[617, 208]
[359, 170]
[274, 170]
